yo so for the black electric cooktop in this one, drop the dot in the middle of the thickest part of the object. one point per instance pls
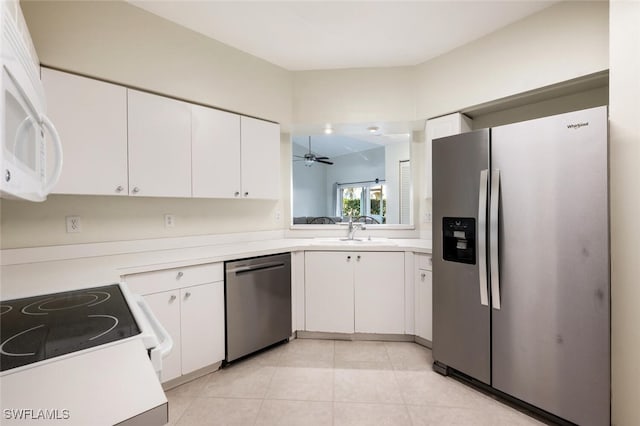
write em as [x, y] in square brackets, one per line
[42, 327]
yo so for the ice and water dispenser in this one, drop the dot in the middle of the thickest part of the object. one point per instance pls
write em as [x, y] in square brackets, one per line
[459, 239]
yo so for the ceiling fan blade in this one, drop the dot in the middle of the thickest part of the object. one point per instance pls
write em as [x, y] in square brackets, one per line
[322, 158]
[299, 156]
[324, 162]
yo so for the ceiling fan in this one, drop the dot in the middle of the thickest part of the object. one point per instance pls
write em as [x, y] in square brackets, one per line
[310, 158]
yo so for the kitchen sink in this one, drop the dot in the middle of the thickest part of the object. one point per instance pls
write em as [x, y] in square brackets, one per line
[354, 242]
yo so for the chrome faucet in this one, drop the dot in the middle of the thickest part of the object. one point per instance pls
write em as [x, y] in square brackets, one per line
[353, 227]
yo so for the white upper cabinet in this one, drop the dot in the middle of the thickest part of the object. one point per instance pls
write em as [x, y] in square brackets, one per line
[159, 146]
[215, 153]
[119, 141]
[234, 156]
[440, 127]
[260, 152]
[91, 117]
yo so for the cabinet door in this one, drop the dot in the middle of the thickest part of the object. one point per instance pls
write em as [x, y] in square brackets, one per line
[379, 292]
[215, 156]
[91, 118]
[202, 325]
[440, 127]
[260, 152]
[424, 283]
[159, 146]
[329, 291]
[166, 307]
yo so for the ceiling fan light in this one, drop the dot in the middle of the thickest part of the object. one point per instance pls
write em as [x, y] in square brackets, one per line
[308, 162]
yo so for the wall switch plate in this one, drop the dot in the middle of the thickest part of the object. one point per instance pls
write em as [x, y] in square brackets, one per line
[73, 224]
[169, 221]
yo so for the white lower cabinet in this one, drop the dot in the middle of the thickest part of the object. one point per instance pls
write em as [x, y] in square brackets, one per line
[379, 292]
[423, 297]
[202, 308]
[166, 307]
[329, 291]
[347, 292]
[191, 309]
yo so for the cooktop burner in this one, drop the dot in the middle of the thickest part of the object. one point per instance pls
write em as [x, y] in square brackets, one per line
[42, 327]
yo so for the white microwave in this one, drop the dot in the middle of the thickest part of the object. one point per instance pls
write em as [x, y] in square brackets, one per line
[25, 129]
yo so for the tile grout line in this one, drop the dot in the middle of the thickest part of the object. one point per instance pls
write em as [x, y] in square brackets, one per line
[395, 378]
[333, 388]
[266, 391]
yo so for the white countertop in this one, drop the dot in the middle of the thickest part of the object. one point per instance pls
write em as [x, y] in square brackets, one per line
[31, 278]
[164, 259]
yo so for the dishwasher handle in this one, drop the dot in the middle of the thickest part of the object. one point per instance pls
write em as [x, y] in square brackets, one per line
[258, 267]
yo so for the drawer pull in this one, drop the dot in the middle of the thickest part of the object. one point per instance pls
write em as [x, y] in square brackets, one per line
[187, 295]
[180, 275]
[172, 298]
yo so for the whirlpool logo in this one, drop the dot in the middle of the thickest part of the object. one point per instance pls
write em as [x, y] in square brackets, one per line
[576, 126]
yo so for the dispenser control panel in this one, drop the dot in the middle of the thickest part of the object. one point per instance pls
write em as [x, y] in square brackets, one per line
[459, 239]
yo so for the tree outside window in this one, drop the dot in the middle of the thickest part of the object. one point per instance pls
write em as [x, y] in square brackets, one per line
[362, 200]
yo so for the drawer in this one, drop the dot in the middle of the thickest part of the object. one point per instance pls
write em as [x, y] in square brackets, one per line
[171, 279]
[423, 261]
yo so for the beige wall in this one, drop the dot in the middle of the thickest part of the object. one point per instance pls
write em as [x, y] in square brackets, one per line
[118, 42]
[107, 40]
[124, 44]
[624, 107]
[354, 95]
[562, 42]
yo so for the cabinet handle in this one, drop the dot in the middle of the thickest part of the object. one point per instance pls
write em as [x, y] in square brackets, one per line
[172, 298]
[237, 194]
[187, 295]
[348, 258]
[180, 275]
[358, 258]
[423, 275]
[135, 190]
[120, 188]
[246, 194]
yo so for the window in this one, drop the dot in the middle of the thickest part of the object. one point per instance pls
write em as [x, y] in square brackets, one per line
[363, 201]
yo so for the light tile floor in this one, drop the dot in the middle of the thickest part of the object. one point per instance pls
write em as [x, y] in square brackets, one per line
[325, 382]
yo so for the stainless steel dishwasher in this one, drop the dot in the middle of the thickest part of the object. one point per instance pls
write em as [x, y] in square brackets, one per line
[258, 303]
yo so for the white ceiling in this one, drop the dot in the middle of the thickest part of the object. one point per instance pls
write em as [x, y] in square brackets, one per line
[335, 145]
[313, 35]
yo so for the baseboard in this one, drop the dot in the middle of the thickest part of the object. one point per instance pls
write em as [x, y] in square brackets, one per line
[300, 334]
[423, 342]
[191, 376]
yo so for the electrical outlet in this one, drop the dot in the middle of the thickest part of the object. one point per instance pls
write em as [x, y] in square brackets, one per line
[277, 215]
[428, 217]
[169, 221]
[73, 224]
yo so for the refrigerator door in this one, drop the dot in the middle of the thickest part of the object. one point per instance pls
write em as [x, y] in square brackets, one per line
[461, 323]
[551, 332]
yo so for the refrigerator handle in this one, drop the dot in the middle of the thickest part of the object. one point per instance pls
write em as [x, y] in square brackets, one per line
[482, 236]
[493, 239]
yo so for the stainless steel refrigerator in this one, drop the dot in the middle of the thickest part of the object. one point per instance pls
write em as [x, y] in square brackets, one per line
[521, 262]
